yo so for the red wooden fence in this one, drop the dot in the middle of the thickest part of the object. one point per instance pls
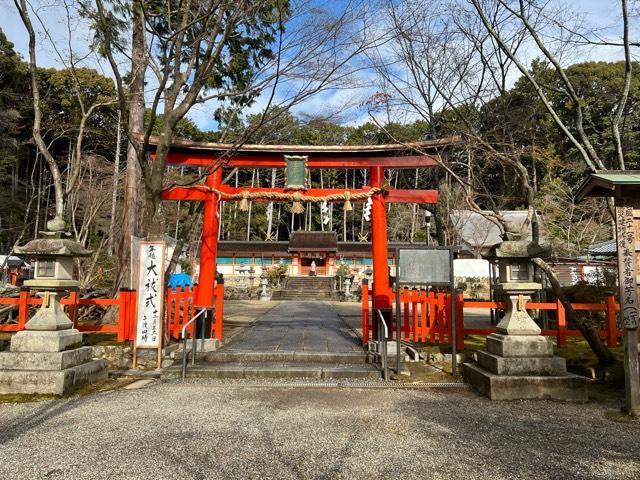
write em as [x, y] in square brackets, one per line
[179, 309]
[426, 318]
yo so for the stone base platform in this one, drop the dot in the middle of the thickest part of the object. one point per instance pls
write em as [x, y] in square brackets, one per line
[523, 367]
[537, 366]
[54, 382]
[48, 362]
[566, 387]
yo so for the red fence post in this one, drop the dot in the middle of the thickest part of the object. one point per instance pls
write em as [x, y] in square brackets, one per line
[459, 322]
[612, 315]
[406, 319]
[562, 325]
[73, 307]
[133, 299]
[432, 316]
[122, 315]
[23, 308]
[365, 311]
[219, 308]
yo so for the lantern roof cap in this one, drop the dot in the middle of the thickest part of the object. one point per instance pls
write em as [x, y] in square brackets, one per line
[518, 249]
[61, 247]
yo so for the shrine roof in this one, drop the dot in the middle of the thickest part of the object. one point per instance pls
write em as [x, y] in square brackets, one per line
[604, 183]
[227, 248]
[313, 241]
[384, 149]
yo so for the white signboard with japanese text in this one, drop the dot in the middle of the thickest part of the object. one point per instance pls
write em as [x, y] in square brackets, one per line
[150, 288]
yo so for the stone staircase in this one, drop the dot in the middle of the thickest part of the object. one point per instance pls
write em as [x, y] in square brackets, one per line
[229, 364]
[305, 288]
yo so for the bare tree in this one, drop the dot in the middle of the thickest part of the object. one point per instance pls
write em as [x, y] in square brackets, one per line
[525, 14]
[62, 189]
[226, 52]
[454, 64]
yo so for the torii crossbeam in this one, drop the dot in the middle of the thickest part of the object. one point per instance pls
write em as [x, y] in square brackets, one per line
[375, 158]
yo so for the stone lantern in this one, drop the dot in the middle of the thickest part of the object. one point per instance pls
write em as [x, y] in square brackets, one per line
[516, 282]
[53, 272]
[48, 356]
[518, 362]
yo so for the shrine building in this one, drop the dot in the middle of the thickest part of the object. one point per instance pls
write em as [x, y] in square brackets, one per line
[303, 248]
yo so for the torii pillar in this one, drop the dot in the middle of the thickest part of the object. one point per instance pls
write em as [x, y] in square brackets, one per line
[205, 292]
[379, 249]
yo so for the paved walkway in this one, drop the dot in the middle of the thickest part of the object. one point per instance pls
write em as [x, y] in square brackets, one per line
[298, 327]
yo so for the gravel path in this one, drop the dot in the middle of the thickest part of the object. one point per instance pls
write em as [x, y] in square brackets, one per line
[204, 430]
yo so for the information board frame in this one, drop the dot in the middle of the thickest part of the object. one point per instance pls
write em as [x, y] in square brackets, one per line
[452, 250]
[424, 281]
[138, 343]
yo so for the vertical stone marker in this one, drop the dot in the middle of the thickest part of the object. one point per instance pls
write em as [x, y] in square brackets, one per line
[624, 187]
[628, 286]
[518, 362]
[48, 357]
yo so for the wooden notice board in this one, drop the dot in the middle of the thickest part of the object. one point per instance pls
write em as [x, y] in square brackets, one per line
[628, 229]
[150, 288]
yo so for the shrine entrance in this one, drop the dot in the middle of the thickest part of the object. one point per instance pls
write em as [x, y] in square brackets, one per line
[313, 248]
[298, 160]
[320, 261]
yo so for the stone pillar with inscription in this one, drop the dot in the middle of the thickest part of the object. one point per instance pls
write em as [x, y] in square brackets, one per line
[628, 241]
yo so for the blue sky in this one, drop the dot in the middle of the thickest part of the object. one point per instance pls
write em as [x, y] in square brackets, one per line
[601, 13]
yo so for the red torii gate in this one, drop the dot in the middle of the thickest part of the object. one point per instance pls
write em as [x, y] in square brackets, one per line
[375, 158]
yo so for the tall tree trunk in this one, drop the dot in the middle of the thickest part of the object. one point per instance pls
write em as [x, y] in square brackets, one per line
[132, 197]
[114, 193]
[38, 196]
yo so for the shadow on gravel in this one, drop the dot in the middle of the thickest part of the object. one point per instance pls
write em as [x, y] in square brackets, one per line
[30, 421]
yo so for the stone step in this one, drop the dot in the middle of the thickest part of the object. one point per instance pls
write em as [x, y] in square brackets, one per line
[306, 292]
[320, 288]
[353, 358]
[308, 283]
[311, 295]
[514, 366]
[272, 370]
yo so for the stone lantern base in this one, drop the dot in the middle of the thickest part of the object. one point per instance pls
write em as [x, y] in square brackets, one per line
[523, 367]
[48, 361]
[519, 363]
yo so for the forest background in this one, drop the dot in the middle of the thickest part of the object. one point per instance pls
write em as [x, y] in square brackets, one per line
[441, 91]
